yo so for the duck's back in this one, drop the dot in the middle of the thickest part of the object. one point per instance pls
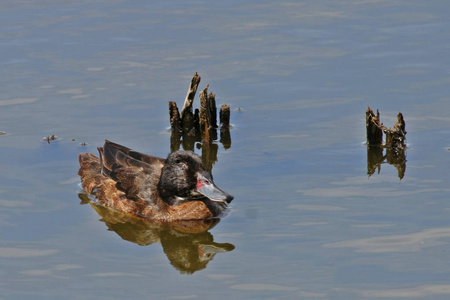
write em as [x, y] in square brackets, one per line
[136, 174]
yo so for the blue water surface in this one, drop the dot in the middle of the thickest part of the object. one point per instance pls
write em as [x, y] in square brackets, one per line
[307, 221]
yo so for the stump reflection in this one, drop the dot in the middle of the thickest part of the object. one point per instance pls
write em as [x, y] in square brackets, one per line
[394, 156]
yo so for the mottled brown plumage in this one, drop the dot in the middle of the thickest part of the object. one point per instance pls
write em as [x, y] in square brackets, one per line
[177, 188]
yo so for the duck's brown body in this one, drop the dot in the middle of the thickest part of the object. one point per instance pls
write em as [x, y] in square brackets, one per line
[131, 182]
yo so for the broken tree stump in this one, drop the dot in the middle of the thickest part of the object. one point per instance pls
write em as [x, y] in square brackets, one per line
[395, 136]
[187, 106]
[224, 117]
[212, 109]
[395, 143]
[187, 118]
[373, 128]
[199, 125]
[213, 116]
[174, 116]
[205, 116]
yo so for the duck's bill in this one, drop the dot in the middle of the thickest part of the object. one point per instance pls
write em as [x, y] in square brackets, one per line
[207, 188]
[214, 193]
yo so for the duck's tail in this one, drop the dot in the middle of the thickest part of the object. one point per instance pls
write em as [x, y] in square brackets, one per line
[100, 186]
[90, 171]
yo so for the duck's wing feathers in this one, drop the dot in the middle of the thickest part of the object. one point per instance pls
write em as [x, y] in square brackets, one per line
[136, 174]
[149, 159]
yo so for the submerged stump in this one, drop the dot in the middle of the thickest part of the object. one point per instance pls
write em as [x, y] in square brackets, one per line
[224, 117]
[205, 116]
[174, 116]
[395, 143]
[395, 136]
[373, 128]
[199, 125]
[187, 106]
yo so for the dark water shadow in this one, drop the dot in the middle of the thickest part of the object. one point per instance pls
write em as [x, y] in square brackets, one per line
[188, 245]
[393, 156]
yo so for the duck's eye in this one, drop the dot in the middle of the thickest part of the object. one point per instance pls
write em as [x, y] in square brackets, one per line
[181, 164]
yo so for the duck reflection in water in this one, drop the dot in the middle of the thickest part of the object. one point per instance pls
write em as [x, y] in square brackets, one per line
[146, 199]
[188, 244]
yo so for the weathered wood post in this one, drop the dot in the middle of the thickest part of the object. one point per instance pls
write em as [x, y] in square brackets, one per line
[205, 117]
[224, 117]
[395, 137]
[374, 132]
[187, 106]
[395, 143]
[175, 121]
[189, 127]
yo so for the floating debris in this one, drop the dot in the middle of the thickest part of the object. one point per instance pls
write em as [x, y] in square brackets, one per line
[50, 138]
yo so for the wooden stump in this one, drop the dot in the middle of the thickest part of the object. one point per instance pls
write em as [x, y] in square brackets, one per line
[373, 128]
[395, 136]
[205, 116]
[224, 116]
[174, 116]
[187, 106]
[395, 143]
[189, 127]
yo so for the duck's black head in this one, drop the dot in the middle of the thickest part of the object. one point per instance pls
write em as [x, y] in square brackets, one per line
[184, 177]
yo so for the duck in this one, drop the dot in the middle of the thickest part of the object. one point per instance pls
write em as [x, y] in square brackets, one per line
[177, 188]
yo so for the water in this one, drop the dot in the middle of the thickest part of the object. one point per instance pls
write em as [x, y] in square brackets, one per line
[307, 221]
